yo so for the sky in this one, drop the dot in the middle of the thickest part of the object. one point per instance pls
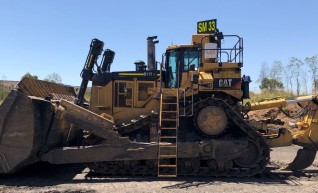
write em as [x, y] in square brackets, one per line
[42, 36]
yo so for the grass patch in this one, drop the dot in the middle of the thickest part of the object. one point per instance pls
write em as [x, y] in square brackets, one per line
[265, 94]
[4, 92]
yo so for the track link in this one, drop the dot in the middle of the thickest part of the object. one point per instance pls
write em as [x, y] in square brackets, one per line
[196, 167]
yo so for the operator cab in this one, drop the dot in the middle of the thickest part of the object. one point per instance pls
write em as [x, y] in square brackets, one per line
[180, 59]
[207, 63]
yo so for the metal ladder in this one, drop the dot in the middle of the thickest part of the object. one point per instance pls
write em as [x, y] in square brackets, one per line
[168, 133]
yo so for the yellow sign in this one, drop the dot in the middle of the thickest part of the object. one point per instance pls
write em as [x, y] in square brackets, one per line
[206, 27]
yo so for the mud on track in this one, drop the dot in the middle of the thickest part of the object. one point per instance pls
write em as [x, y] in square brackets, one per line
[77, 179]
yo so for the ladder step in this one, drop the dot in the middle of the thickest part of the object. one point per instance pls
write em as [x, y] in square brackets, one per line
[168, 146]
[167, 166]
[169, 97]
[169, 114]
[168, 119]
[167, 175]
[168, 94]
[168, 128]
[168, 137]
[169, 111]
[168, 156]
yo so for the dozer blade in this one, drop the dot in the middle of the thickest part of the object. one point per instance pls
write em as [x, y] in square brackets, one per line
[305, 157]
[44, 89]
[27, 124]
[22, 129]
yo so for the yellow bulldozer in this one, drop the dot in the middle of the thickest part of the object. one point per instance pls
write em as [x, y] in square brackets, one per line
[181, 116]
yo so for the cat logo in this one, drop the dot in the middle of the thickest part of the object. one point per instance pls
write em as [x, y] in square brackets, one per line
[226, 82]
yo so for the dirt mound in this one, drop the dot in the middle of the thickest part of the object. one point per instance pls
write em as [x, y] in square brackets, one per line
[276, 114]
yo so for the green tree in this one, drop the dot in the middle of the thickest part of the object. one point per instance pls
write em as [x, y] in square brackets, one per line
[276, 70]
[29, 75]
[295, 65]
[264, 72]
[271, 84]
[54, 77]
[312, 63]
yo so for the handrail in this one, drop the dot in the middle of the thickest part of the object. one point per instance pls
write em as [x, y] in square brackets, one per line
[234, 54]
[161, 66]
[184, 102]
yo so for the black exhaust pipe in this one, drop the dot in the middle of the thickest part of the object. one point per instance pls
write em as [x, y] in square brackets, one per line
[151, 52]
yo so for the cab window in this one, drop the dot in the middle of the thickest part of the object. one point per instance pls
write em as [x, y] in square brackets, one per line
[191, 59]
[172, 69]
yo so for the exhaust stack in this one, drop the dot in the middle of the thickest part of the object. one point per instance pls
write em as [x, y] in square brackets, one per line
[151, 52]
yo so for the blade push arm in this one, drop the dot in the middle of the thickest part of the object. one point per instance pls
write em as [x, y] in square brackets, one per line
[275, 103]
[96, 49]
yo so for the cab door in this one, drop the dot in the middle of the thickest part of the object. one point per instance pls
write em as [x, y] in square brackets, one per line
[172, 67]
[180, 61]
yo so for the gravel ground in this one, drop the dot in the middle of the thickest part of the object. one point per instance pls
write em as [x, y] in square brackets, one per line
[77, 179]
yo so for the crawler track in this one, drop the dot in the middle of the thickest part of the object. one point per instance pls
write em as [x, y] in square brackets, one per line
[192, 166]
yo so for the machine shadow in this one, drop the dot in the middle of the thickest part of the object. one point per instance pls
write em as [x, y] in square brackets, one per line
[268, 177]
[42, 174]
[49, 175]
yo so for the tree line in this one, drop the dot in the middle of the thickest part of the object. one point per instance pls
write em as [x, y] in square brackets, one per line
[54, 77]
[296, 77]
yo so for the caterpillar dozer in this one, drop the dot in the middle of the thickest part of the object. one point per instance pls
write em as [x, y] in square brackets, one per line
[181, 116]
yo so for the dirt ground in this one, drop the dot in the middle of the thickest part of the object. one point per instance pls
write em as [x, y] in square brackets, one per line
[78, 179]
